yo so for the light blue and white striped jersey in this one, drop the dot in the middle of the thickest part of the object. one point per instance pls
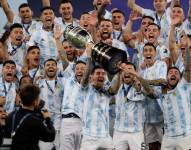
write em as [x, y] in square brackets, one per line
[130, 111]
[36, 72]
[152, 109]
[28, 28]
[176, 107]
[163, 22]
[73, 98]
[8, 90]
[120, 45]
[187, 26]
[1, 70]
[179, 63]
[17, 54]
[52, 92]
[162, 53]
[96, 112]
[47, 44]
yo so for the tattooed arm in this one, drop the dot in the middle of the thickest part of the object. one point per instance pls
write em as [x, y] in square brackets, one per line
[86, 75]
[187, 71]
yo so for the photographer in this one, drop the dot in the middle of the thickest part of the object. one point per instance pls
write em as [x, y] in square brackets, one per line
[24, 125]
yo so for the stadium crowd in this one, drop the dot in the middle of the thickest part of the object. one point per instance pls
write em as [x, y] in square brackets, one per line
[146, 105]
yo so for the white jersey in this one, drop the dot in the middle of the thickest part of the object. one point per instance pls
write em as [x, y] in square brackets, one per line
[176, 107]
[17, 54]
[47, 44]
[130, 112]
[73, 98]
[52, 92]
[8, 90]
[152, 108]
[96, 112]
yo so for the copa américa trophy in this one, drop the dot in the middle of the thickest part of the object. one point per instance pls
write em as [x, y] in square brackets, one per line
[105, 55]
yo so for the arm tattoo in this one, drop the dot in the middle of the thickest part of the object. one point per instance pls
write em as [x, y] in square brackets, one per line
[64, 59]
[187, 72]
[85, 78]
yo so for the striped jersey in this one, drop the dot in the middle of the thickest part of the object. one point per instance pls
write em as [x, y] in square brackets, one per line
[130, 112]
[176, 107]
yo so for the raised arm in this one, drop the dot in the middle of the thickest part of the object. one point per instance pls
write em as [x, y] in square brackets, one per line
[127, 34]
[189, 12]
[134, 6]
[187, 71]
[173, 47]
[45, 3]
[61, 51]
[8, 11]
[86, 75]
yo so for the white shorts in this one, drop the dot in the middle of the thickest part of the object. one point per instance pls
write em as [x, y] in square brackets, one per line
[94, 143]
[153, 132]
[126, 140]
[70, 134]
[178, 143]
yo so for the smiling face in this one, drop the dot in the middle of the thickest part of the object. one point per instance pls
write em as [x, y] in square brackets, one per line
[47, 17]
[128, 78]
[84, 21]
[118, 21]
[66, 11]
[177, 12]
[69, 50]
[152, 34]
[149, 54]
[79, 71]
[16, 36]
[26, 14]
[33, 58]
[50, 68]
[173, 77]
[160, 5]
[98, 77]
[105, 29]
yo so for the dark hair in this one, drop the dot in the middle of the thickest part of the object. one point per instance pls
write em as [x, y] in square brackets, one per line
[104, 20]
[23, 77]
[95, 68]
[84, 13]
[9, 62]
[65, 1]
[80, 62]
[149, 44]
[170, 68]
[154, 24]
[130, 63]
[177, 5]
[149, 17]
[32, 47]
[50, 59]
[118, 11]
[46, 8]
[16, 25]
[29, 94]
[23, 5]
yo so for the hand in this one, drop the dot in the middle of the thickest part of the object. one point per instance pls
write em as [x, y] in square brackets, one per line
[175, 21]
[137, 84]
[89, 49]
[25, 70]
[107, 2]
[134, 15]
[3, 116]
[2, 101]
[108, 41]
[143, 65]
[46, 114]
[57, 32]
